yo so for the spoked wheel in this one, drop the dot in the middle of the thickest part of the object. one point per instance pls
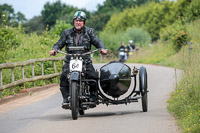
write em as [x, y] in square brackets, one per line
[74, 100]
[81, 112]
[143, 87]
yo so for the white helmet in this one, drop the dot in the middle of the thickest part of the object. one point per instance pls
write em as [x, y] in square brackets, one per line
[131, 41]
[79, 15]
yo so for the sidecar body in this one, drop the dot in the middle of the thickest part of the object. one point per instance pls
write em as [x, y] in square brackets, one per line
[117, 79]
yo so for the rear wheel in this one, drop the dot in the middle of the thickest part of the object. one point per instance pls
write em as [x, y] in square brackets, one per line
[143, 87]
[74, 100]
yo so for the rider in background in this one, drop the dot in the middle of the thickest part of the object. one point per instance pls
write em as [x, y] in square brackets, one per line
[130, 47]
[122, 51]
[79, 35]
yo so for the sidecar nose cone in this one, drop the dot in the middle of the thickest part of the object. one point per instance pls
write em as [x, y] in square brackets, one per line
[114, 79]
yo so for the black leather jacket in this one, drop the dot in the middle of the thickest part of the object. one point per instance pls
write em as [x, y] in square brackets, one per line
[87, 37]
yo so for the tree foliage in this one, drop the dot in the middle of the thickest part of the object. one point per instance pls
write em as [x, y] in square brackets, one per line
[154, 16]
[6, 8]
[151, 16]
[113, 40]
[10, 38]
[13, 18]
[34, 25]
[52, 12]
[59, 11]
[59, 27]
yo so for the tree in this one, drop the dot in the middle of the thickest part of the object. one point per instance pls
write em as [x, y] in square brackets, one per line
[20, 17]
[140, 2]
[52, 12]
[6, 8]
[34, 25]
[8, 11]
[104, 12]
[152, 16]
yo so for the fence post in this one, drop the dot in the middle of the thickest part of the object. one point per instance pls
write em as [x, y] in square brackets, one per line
[42, 70]
[33, 73]
[54, 66]
[22, 68]
[101, 57]
[1, 80]
[12, 78]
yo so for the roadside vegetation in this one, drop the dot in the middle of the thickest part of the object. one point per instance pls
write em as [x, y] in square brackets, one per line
[164, 32]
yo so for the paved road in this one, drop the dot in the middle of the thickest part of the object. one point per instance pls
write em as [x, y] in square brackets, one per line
[47, 116]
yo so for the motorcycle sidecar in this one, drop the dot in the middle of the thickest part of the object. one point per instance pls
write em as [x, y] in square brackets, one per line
[115, 82]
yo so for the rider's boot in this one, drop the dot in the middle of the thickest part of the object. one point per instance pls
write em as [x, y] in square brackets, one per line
[65, 94]
[93, 96]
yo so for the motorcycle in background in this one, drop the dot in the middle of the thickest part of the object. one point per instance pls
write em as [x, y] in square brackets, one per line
[122, 55]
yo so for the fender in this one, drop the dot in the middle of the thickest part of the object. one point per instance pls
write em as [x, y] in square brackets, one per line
[74, 76]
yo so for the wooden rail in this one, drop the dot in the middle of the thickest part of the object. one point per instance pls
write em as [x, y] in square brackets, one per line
[110, 55]
[26, 63]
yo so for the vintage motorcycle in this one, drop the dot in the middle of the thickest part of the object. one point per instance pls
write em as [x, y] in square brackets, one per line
[122, 55]
[114, 81]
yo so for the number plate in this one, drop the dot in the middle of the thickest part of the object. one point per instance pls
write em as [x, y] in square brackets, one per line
[76, 65]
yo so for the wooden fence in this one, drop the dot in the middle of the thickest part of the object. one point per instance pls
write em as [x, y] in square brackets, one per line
[111, 55]
[26, 63]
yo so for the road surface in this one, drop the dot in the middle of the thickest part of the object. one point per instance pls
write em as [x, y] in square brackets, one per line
[42, 112]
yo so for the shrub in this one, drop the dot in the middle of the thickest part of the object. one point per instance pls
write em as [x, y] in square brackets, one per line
[10, 38]
[113, 40]
[177, 34]
[59, 27]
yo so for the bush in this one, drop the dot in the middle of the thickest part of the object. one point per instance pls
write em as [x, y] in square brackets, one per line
[10, 38]
[59, 27]
[152, 16]
[139, 36]
[177, 34]
[113, 40]
[184, 101]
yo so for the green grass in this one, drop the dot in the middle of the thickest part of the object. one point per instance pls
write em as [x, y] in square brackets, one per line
[184, 101]
[156, 54]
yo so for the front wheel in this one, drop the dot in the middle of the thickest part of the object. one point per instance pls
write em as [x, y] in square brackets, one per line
[74, 100]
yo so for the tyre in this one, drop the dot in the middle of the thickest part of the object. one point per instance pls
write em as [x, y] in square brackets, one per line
[74, 100]
[143, 88]
[144, 103]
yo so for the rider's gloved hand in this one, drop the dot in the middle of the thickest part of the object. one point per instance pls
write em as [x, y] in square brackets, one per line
[52, 53]
[103, 51]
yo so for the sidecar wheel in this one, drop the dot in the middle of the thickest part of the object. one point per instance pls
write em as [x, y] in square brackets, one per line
[144, 103]
[81, 112]
[143, 88]
[74, 100]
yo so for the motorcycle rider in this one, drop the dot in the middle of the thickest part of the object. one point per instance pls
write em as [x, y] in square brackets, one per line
[79, 35]
[122, 52]
[131, 46]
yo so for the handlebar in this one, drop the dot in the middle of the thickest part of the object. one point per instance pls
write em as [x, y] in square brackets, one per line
[90, 52]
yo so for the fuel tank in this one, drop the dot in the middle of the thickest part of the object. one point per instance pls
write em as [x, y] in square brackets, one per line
[115, 78]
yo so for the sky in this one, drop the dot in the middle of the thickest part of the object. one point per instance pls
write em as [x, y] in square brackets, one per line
[31, 8]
